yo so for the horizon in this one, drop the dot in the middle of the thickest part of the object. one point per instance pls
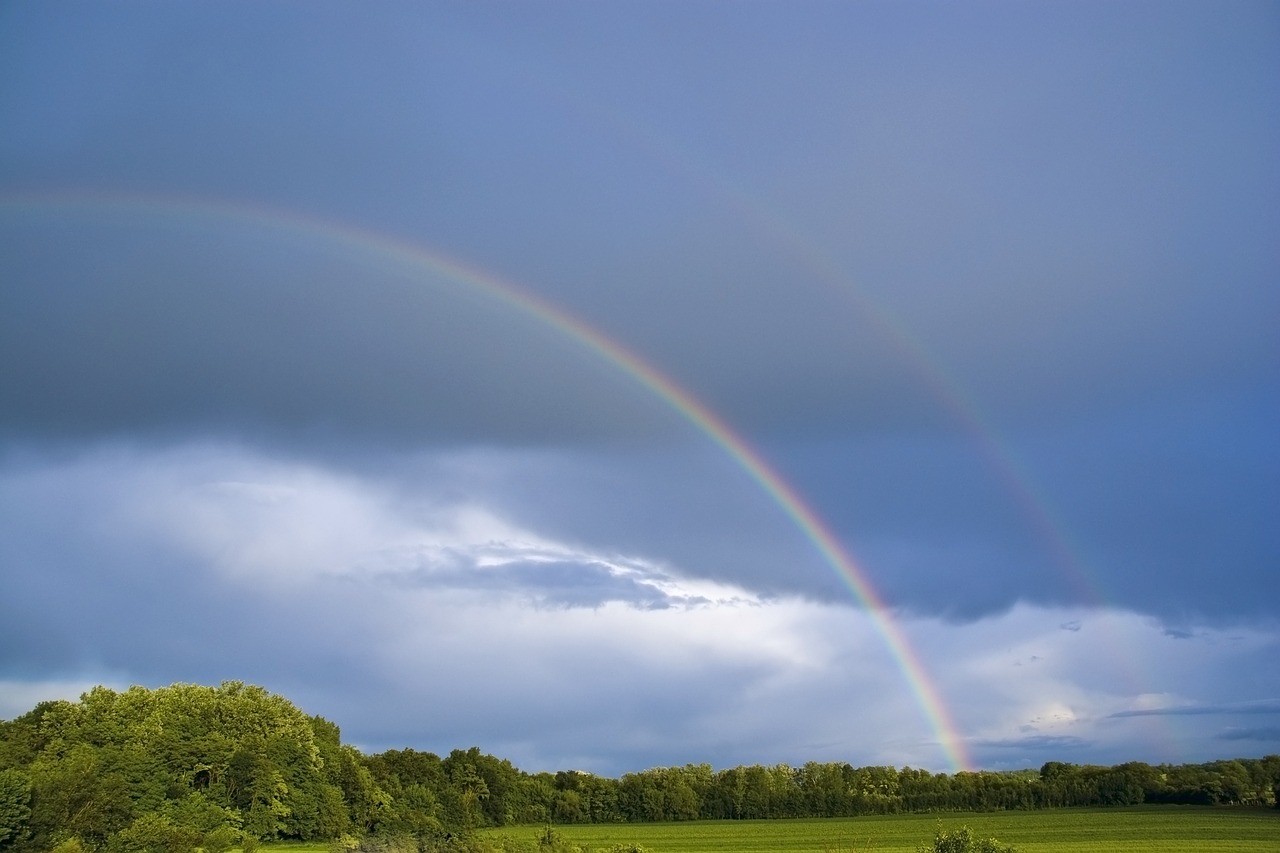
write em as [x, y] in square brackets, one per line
[715, 769]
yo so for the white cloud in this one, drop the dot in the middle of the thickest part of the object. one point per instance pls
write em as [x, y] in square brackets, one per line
[18, 696]
[416, 621]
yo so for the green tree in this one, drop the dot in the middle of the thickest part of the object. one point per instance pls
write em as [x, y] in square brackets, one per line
[15, 806]
[824, 789]
[469, 791]
[1234, 783]
[22, 738]
[74, 794]
[368, 804]
[267, 810]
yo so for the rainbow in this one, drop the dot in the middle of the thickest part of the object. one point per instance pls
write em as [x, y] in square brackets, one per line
[1064, 554]
[929, 371]
[923, 689]
[996, 453]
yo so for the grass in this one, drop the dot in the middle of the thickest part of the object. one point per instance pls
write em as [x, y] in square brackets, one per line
[1146, 829]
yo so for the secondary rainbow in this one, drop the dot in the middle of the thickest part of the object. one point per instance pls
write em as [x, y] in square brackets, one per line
[680, 161]
[925, 693]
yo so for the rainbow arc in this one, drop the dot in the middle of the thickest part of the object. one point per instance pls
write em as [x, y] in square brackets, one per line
[413, 257]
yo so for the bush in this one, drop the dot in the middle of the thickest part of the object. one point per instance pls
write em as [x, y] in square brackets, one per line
[71, 845]
[962, 841]
[345, 844]
[155, 833]
[220, 840]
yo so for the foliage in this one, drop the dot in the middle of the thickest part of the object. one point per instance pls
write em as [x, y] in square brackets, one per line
[168, 770]
[214, 768]
[962, 840]
[70, 845]
[153, 832]
[15, 806]
[220, 840]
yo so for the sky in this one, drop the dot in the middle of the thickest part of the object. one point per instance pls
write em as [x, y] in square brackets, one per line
[621, 385]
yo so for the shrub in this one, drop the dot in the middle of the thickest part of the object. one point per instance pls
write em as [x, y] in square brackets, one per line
[71, 845]
[962, 841]
[155, 833]
[220, 840]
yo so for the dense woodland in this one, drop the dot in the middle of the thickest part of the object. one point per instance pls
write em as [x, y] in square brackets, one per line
[188, 766]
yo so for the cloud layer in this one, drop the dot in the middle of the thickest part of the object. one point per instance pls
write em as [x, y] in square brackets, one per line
[433, 624]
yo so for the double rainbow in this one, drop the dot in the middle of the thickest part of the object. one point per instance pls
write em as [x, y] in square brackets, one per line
[925, 692]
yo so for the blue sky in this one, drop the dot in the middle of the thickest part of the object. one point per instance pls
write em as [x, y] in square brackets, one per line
[992, 288]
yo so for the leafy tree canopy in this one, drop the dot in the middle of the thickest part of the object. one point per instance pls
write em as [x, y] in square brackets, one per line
[183, 767]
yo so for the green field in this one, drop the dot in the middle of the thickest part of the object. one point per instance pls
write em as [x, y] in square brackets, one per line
[1167, 829]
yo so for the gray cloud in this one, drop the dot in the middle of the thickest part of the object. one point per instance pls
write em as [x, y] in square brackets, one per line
[164, 332]
[1270, 706]
[1269, 733]
[1080, 214]
[1039, 743]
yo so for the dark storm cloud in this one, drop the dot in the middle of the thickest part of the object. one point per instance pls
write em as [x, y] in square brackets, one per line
[1084, 282]
[1146, 511]
[197, 325]
[1271, 733]
[1046, 743]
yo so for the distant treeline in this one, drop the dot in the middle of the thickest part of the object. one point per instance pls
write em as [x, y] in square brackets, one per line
[188, 766]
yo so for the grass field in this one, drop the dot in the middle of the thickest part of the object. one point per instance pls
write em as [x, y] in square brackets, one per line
[1166, 829]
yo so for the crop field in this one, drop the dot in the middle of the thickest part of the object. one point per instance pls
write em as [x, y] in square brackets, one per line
[1150, 829]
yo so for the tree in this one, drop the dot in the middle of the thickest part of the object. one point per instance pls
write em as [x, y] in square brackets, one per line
[467, 792]
[15, 806]
[824, 789]
[368, 804]
[268, 809]
[184, 766]
[77, 794]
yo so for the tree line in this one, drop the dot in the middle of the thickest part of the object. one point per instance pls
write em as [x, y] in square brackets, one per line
[188, 766]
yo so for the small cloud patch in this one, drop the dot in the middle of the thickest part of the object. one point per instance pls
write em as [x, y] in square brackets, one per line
[553, 576]
[565, 583]
[1268, 706]
[1265, 733]
[1050, 742]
